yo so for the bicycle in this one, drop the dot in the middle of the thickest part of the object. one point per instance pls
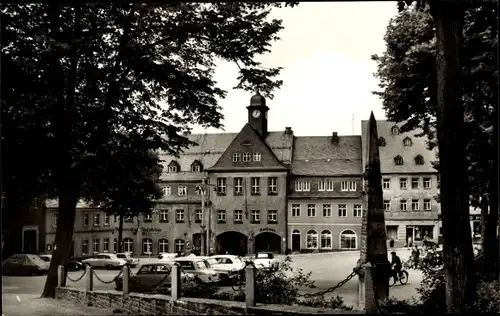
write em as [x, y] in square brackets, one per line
[402, 278]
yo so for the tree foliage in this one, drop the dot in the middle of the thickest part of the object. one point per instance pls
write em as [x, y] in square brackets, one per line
[105, 84]
[407, 73]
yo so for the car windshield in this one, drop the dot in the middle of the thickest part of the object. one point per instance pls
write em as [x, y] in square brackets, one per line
[264, 256]
[202, 264]
[211, 261]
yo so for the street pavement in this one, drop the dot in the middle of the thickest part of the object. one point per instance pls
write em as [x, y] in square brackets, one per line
[327, 269]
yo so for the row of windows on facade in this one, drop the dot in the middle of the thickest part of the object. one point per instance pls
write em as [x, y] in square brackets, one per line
[128, 245]
[357, 210]
[305, 186]
[196, 166]
[272, 217]
[222, 216]
[347, 239]
[403, 183]
[246, 157]
[415, 205]
[239, 185]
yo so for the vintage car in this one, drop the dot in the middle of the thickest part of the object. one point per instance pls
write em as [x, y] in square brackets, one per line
[73, 264]
[105, 260]
[228, 266]
[24, 264]
[266, 260]
[127, 256]
[199, 267]
[151, 276]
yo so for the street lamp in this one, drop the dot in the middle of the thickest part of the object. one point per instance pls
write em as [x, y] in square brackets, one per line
[205, 239]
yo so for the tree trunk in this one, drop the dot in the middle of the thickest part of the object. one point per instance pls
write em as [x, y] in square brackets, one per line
[490, 239]
[120, 234]
[64, 237]
[457, 242]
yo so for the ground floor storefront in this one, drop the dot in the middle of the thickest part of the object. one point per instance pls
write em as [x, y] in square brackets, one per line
[323, 237]
[409, 232]
[149, 241]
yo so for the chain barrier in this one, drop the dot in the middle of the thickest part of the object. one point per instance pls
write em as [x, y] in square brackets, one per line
[77, 279]
[354, 272]
[108, 282]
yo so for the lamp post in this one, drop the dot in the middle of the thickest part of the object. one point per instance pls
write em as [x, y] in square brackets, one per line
[205, 235]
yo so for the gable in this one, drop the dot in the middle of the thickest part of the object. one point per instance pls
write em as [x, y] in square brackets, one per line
[248, 141]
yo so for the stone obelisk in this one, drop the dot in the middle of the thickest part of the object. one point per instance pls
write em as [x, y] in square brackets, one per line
[374, 279]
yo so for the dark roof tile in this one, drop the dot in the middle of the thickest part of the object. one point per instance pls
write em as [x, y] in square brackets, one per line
[318, 155]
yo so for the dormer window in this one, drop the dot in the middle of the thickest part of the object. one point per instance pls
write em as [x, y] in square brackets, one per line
[196, 166]
[419, 160]
[173, 167]
[398, 160]
[407, 142]
[395, 130]
[381, 142]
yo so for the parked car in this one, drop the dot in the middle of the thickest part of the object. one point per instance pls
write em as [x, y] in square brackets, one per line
[105, 260]
[266, 260]
[199, 267]
[46, 258]
[24, 264]
[167, 256]
[228, 266]
[127, 256]
[73, 265]
[151, 276]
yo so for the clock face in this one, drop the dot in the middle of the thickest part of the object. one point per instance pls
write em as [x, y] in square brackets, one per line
[256, 113]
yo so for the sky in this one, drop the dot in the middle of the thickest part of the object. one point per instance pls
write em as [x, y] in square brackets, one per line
[325, 51]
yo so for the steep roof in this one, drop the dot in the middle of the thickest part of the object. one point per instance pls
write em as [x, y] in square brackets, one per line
[210, 148]
[394, 146]
[319, 156]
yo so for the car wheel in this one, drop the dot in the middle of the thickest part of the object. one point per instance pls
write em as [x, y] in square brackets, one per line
[109, 267]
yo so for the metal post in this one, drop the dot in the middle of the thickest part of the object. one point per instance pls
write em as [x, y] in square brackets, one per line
[125, 280]
[60, 276]
[89, 284]
[175, 292]
[250, 286]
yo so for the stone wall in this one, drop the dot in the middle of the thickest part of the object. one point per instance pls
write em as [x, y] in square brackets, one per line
[148, 304]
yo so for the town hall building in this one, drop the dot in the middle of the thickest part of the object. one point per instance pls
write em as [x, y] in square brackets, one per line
[262, 191]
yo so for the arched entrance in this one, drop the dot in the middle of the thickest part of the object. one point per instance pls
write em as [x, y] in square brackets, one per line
[268, 241]
[234, 243]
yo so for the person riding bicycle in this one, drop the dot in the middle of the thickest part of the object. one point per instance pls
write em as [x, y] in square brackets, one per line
[397, 265]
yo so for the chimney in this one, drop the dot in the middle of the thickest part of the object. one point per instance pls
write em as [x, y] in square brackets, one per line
[335, 138]
[288, 131]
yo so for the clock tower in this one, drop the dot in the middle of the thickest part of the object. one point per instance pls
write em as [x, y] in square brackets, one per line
[257, 114]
